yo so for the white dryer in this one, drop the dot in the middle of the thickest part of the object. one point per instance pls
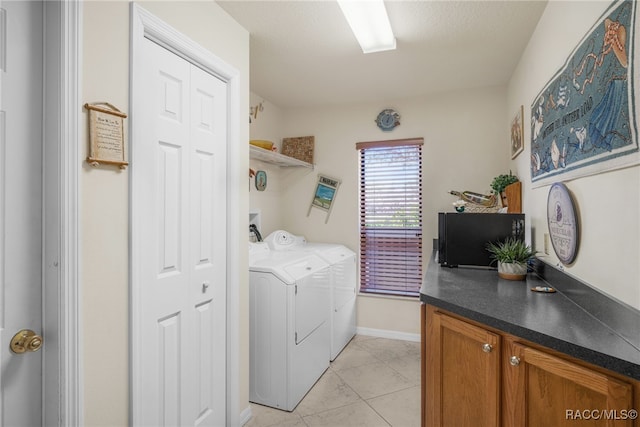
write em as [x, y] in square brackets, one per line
[289, 326]
[342, 304]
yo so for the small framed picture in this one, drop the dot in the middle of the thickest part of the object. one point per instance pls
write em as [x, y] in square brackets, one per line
[324, 194]
[517, 133]
[261, 180]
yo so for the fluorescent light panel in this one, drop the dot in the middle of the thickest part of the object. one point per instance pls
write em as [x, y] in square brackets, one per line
[370, 24]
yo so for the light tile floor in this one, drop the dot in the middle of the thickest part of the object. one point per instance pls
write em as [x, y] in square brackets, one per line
[373, 382]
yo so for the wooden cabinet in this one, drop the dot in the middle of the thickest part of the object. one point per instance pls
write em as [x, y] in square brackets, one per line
[463, 374]
[477, 376]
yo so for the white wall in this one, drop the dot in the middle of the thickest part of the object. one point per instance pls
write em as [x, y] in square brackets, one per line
[608, 203]
[105, 195]
[465, 146]
[267, 125]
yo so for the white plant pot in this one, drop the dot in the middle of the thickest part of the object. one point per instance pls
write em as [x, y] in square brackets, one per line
[512, 270]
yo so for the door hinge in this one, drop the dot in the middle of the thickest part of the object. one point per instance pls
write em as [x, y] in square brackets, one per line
[296, 336]
[296, 290]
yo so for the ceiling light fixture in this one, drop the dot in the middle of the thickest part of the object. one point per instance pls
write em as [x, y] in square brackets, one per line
[370, 24]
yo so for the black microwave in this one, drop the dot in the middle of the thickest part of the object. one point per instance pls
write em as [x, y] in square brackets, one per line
[463, 237]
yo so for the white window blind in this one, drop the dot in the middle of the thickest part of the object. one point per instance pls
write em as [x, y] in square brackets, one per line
[391, 216]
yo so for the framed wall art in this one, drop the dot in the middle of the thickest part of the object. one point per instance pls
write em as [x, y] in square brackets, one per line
[261, 180]
[324, 195]
[106, 135]
[584, 120]
[517, 133]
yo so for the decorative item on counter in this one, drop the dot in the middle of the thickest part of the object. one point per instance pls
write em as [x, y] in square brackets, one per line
[106, 135]
[459, 205]
[500, 182]
[300, 148]
[477, 198]
[477, 202]
[324, 194]
[512, 255]
[514, 197]
[543, 289]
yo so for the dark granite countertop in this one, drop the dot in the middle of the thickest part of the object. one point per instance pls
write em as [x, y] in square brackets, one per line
[577, 320]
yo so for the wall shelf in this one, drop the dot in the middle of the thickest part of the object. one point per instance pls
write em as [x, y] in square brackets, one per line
[276, 158]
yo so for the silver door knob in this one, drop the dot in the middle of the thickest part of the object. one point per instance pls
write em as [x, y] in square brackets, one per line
[487, 348]
[514, 360]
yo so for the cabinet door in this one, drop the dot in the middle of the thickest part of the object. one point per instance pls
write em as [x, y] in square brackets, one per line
[463, 374]
[542, 390]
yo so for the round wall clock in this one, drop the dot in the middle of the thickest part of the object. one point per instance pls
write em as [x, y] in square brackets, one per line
[563, 223]
[388, 119]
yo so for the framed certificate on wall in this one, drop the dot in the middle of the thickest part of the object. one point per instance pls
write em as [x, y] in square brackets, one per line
[106, 135]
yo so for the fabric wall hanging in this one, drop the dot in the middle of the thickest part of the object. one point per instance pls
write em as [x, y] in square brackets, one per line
[584, 121]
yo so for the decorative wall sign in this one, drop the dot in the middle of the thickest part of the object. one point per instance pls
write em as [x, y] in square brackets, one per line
[584, 121]
[261, 180]
[517, 133]
[106, 135]
[324, 195]
[562, 220]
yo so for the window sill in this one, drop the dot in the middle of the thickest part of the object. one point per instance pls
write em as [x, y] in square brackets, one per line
[407, 298]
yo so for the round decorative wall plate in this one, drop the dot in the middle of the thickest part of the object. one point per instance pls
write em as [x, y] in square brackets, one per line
[388, 119]
[562, 221]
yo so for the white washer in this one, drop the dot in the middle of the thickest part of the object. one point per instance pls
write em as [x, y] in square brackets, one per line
[289, 326]
[342, 305]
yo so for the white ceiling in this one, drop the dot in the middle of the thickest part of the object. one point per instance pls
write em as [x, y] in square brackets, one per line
[303, 53]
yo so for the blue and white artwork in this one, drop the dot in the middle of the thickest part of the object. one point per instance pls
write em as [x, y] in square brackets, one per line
[584, 121]
[324, 196]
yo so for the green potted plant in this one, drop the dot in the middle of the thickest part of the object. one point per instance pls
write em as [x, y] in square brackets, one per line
[512, 256]
[501, 182]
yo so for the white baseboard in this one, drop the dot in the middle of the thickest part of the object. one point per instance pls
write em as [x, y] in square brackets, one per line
[245, 415]
[383, 333]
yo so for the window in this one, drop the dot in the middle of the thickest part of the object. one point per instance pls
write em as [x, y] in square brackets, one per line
[391, 216]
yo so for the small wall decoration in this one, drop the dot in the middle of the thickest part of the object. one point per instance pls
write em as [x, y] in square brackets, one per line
[562, 220]
[253, 111]
[261, 180]
[300, 148]
[106, 135]
[517, 133]
[584, 121]
[388, 119]
[324, 195]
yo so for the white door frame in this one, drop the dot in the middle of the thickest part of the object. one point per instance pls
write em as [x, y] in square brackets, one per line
[62, 381]
[145, 25]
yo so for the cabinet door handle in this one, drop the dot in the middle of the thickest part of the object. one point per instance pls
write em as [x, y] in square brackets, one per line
[514, 360]
[487, 348]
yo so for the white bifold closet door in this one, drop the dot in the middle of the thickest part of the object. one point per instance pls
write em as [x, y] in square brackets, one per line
[180, 198]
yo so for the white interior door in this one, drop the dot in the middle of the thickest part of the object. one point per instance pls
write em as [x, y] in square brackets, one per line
[180, 280]
[20, 208]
